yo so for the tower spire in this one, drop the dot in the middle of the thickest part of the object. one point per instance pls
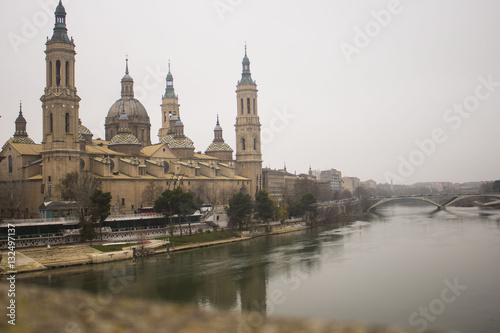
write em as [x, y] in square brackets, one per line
[60, 30]
[127, 82]
[246, 76]
[169, 90]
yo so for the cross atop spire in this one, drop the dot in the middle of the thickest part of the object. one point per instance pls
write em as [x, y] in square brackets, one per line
[126, 65]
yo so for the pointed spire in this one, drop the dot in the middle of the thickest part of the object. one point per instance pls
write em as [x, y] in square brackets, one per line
[246, 77]
[20, 123]
[169, 90]
[127, 82]
[218, 131]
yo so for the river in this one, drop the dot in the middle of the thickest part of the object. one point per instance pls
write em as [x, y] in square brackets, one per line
[407, 265]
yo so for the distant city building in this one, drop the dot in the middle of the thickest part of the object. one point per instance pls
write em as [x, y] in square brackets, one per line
[351, 184]
[334, 177]
[369, 184]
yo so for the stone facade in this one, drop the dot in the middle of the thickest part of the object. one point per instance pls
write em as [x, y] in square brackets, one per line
[126, 162]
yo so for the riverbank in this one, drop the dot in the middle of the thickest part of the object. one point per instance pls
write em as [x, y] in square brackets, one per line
[37, 259]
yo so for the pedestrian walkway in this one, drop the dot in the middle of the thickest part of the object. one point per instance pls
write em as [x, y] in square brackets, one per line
[62, 256]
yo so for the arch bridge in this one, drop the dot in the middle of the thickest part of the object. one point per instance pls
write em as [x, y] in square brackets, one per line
[451, 201]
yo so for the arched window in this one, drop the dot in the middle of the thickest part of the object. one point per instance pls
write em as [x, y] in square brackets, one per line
[51, 123]
[242, 106]
[66, 122]
[58, 73]
[248, 105]
[254, 106]
[254, 144]
[50, 73]
[10, 164]
[243, 143]
[67, 74]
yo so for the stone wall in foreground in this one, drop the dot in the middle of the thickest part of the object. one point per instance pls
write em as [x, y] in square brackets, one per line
[65, 311]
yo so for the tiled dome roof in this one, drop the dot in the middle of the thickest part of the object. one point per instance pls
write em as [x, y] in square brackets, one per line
[124, 139]
[219, 146]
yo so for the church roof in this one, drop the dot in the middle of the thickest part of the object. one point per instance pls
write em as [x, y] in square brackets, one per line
[24, 148]
[25, 140]
[219, 146]
[96, 149]
[124, 139]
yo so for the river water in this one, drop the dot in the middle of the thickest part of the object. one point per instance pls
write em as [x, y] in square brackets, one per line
[407, 265]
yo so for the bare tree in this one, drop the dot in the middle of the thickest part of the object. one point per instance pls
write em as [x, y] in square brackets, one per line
[12, 195]
[79, 187]
[206, 192]
[151, 193]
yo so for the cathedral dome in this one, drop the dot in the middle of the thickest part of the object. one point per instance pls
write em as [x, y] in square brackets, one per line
[133, 109]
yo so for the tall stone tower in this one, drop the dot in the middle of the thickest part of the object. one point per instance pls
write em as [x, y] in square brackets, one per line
[60, 104]
[169, 108]
[248, 153]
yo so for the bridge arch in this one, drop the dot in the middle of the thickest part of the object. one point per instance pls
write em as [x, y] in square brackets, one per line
[385, 200]
[461, 197]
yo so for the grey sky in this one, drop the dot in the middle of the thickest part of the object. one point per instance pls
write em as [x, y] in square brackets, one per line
[317, 109]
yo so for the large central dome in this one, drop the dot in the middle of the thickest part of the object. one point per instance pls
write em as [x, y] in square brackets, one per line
[139, 124]
[132, 107]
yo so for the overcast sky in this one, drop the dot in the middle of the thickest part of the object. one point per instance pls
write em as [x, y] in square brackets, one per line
[403, 90]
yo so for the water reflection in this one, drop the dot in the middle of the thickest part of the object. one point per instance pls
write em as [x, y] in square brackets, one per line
[379, 271]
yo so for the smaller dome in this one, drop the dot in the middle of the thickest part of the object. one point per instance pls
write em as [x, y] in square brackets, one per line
[179, 123]
[20, 118]
[181, 143]
[124, 139]
[123, 116]
[127, 78]
[167, 139]
[219, 146]
[60, 9]
[84, 130]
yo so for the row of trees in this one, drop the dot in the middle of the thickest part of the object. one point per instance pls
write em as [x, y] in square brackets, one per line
[177, 202]
[241, 209]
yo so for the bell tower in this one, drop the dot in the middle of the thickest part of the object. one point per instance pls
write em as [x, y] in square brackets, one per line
[248, 151]
[60, 106]
[169, 108]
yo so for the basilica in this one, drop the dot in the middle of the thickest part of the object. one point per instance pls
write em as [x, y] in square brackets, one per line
[127, 161]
